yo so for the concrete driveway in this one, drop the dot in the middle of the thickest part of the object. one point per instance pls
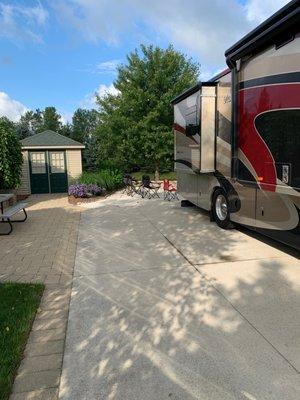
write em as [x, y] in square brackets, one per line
[165, 305]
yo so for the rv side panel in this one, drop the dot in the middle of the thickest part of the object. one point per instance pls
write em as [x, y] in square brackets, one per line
[268, 170]
[197, 188]
[187, 186]
[224, 110]
[208, 129]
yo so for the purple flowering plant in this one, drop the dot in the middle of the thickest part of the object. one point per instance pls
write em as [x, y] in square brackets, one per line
[83, 190]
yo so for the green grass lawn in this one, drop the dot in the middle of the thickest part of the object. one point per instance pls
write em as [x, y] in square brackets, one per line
[172, 176]
[18, 305]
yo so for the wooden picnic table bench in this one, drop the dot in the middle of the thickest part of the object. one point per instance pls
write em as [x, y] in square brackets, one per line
[7, 213]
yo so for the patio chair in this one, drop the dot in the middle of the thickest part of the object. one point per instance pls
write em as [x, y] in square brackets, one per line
[170, 191]
[131, 185]
[149, 189]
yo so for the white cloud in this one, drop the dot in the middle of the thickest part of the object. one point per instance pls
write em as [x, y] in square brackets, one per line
[10, 108]
[206, 74]
[90, 99]
[104, 67]
[19, 23]
[103, 90]
[258, 10]
[204, 29]
[36, 14]
[95, 19]
[66, 117]
[109, 66]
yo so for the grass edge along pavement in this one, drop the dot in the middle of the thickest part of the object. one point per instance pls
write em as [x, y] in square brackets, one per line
[19, 303]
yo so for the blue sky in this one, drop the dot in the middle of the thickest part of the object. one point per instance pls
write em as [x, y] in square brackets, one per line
[60, 52]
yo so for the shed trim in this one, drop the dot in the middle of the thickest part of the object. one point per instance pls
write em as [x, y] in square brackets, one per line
[52, 147]
[49, 139]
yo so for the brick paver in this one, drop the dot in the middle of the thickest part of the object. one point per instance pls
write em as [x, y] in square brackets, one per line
[43, 249]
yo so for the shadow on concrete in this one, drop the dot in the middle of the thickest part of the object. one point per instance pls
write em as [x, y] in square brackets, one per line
[167, 306]
[269, 241]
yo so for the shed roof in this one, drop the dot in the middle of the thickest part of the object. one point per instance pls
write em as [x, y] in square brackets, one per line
[50, 139]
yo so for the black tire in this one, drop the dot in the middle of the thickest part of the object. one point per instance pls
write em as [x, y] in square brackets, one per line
[220, 210]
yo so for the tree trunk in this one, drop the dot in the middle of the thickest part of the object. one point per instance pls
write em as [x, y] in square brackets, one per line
[156, 175]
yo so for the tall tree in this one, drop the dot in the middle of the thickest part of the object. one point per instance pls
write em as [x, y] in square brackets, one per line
[136, 124]
[23, 128]
[51, 119]
[26, 125]
[38, 121]
[33, 122]
[66, 130]
[10, 156]
[84, 125]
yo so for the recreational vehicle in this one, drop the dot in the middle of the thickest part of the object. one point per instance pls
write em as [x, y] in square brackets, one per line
[237, 136]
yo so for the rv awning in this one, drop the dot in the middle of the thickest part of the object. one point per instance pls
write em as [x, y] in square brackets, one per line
[286, 19]
[191, 91]
[186, 93]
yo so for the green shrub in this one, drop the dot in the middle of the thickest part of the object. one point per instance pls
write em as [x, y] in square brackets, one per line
[107, 178]
[11, 158]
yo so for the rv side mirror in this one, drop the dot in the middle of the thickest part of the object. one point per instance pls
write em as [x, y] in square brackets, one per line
[191, 130]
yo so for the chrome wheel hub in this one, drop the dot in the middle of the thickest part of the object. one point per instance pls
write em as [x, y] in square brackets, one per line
[221, 207]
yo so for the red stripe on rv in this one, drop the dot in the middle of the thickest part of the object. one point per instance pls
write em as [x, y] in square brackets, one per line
[179, 128]
[253, 102]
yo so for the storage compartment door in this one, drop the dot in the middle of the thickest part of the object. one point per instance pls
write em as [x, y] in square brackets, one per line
[208, 129]
[187, 185]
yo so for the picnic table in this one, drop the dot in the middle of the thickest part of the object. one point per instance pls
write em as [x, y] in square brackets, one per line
[7, 213]
[3, 198]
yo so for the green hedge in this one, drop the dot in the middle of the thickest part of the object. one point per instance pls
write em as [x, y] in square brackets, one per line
[108, 179]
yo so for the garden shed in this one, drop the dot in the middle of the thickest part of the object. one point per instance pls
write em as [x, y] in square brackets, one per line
[51, 162]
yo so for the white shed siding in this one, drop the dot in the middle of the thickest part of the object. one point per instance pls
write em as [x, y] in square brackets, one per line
[24, 188]
[74, 164]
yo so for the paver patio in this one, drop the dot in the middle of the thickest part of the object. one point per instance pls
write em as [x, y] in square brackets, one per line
[165, 305]
[42, 249]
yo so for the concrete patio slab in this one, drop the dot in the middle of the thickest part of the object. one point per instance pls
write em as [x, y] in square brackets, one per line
[133, 241]
[151, 318]
[267, 293]
[191, 232]
[190, 334]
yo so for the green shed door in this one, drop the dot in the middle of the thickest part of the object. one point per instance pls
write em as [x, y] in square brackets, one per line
[58, 172]
[38, 172]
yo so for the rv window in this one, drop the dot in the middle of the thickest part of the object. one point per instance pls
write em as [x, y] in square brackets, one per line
[191, 130]
[280, 130]
[284, 40]
[192, 119]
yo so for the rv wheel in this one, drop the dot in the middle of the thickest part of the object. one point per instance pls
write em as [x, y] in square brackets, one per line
[220, 210]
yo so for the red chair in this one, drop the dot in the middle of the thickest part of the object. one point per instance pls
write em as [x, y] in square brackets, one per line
[170, 191]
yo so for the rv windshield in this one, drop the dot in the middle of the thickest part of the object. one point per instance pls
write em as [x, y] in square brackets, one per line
[280, 129]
